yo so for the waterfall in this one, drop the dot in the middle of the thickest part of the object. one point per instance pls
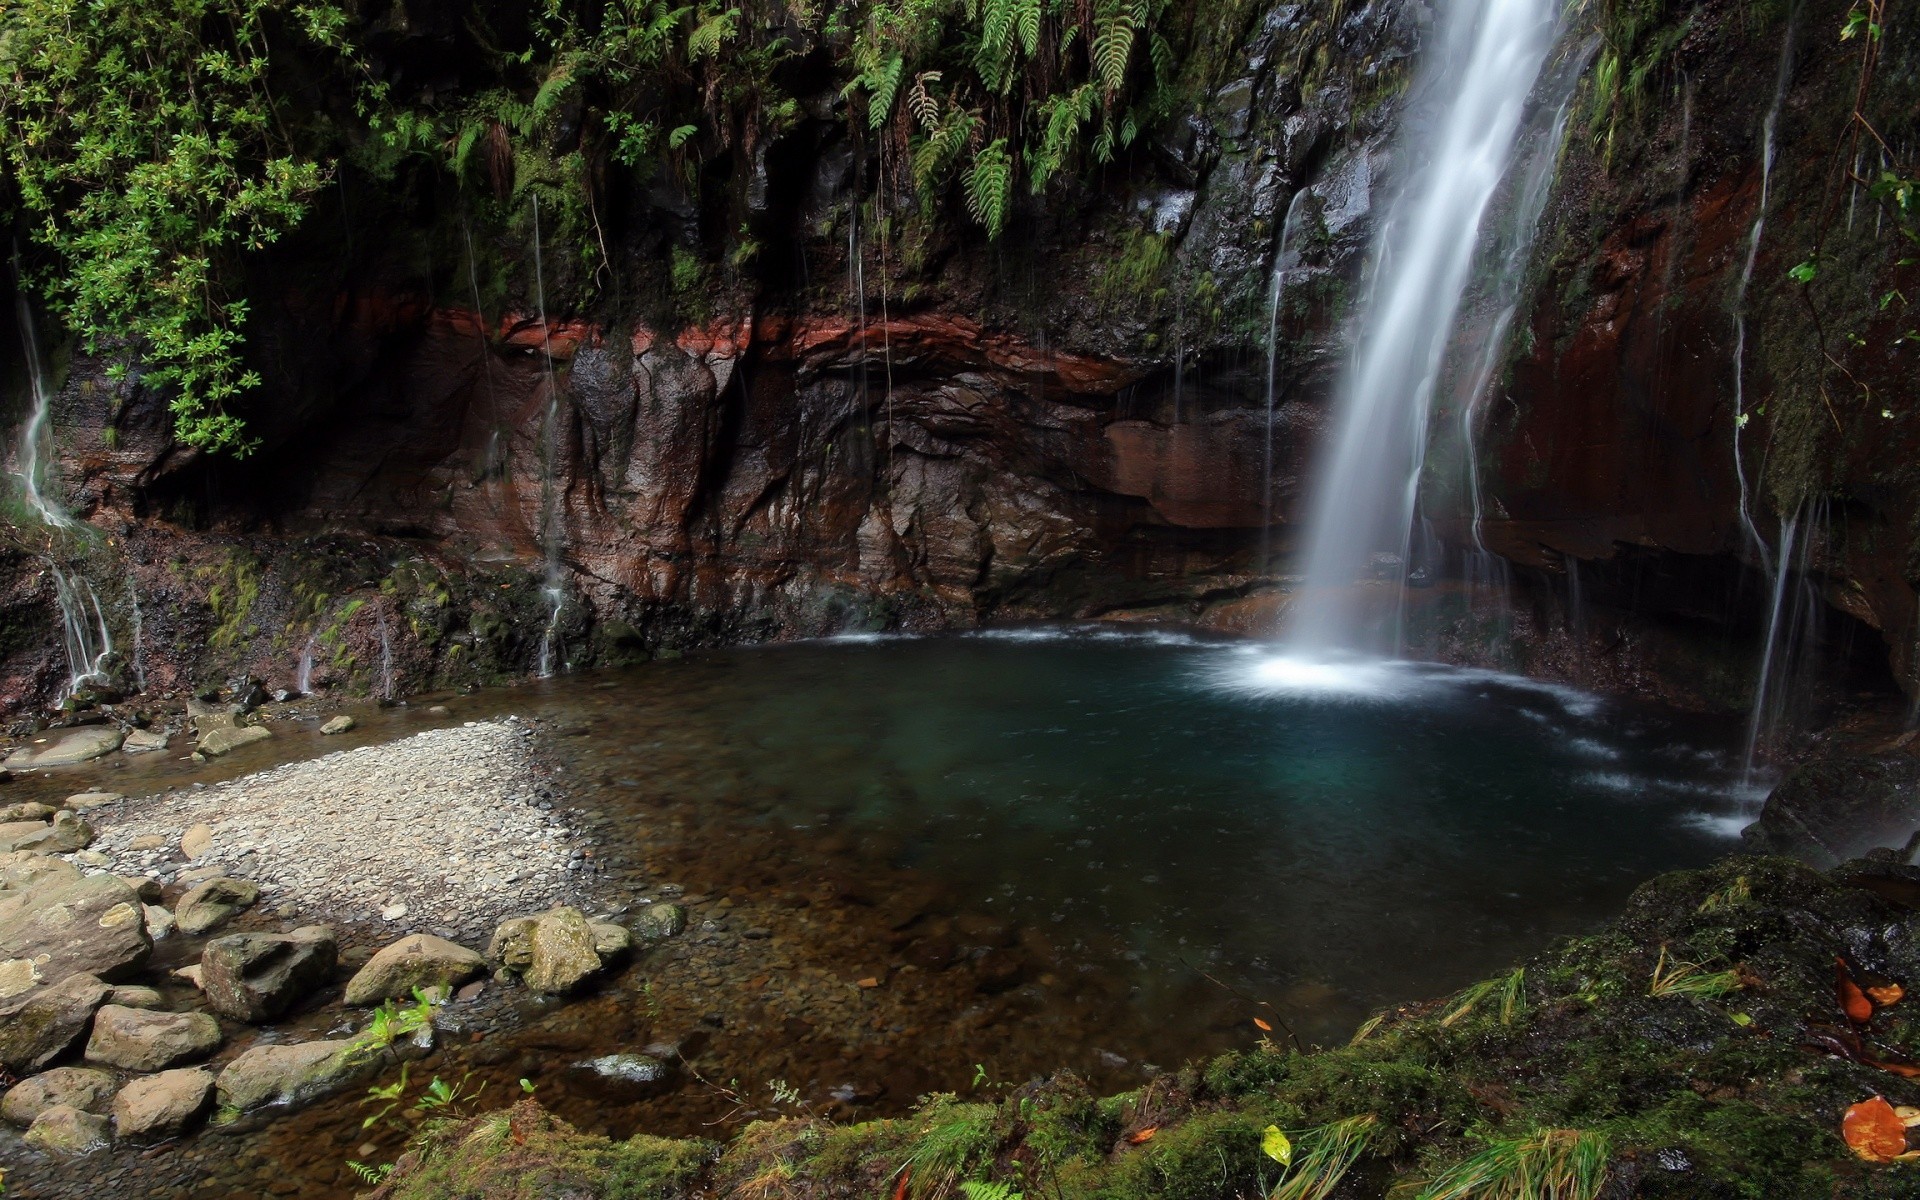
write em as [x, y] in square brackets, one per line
[552, 515]
[1782, 76]
[1476, 81]
[139, 638]
[1283, 264]
[1793, 608]
[386, 653]
[303, 674]
[83, 626]
[31, 460]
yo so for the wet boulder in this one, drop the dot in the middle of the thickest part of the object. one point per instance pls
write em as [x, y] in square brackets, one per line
[141, 1039]
[162, 1105]
[64, 1129]
[55, 922]
[417, 961]
[218, 742]
[1831, 810]
[74, 746]
[50, 1023]
[64, 833]
[293, 1075]
[256, 977]
[658, 922]
[212, 904]
[554, 952]
[84, 1088]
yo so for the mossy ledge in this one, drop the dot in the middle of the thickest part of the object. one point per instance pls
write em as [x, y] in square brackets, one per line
[1697, 1044]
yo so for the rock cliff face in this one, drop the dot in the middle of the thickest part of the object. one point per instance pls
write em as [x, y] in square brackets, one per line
[859, 429]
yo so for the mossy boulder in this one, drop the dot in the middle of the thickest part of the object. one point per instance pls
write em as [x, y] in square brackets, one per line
[418, 960]
[527, 1153]
[294, 1075]
[84, 1088]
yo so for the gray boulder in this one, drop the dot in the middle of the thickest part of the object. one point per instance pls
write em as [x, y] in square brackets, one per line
[217, 742]
[552, 952]
[256, 977]
[64, 834]
[293, 1075]
[1830, 810]
[340, 724]
[83, 1088]
[418, 960]
[64, 1129]
[74, 746]
[26, 811]
[55, 922]
[50, 1023]
[140, 1039]
[212, 904]
[658, 922]
[161, 1105]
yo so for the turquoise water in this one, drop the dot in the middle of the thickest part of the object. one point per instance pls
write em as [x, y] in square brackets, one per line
[1164, 805]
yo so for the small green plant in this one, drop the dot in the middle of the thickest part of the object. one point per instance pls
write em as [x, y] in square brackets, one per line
[1510, 990]
[1553, 1164]
[392, 1022]
[975, 1190]
[373, 1176]
[1672, 977]
[1322, 1156]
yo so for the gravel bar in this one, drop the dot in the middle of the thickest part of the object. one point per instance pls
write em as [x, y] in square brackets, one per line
[451, 829]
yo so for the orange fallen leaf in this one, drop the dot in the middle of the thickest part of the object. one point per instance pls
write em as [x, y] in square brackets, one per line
[1264, 1027]
[906, 1177]
[1892, 993]
[1146, 1135]
[1853, 1001]
[1873, 1131]
[870, 981]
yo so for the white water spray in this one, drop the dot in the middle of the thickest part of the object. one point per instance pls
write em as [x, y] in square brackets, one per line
[303, 674]
[83, 625]
[34, 452]
[1477, 80]
[1782, 75]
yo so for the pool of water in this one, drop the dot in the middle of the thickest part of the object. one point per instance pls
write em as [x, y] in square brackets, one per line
[1166, 806]
[914, 862]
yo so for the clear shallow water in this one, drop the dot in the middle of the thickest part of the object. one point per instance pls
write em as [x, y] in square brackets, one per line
[1358, 834]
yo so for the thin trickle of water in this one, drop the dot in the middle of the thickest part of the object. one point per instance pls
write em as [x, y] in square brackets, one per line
[552, 519]
[34, 454]
[139, 637]
[1782, 75]
[83, 627]
[1793, 608]
[1512, 250]
[1284, 261]
[303, 673]
[1477, 81]
[386, 653]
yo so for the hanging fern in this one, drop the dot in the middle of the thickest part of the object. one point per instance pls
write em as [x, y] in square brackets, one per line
[1113, 32]
[990, 186]
[883, 85]
[1061, 117]
[935, 154]
[712, 34]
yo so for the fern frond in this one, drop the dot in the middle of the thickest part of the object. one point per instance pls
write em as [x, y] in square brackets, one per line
[990, 186]
[713, 33]
[1113, 33]
[920, 102]
[1027, 23]
[883, 86]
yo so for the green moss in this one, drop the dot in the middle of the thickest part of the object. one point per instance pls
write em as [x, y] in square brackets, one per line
[525, 1153]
